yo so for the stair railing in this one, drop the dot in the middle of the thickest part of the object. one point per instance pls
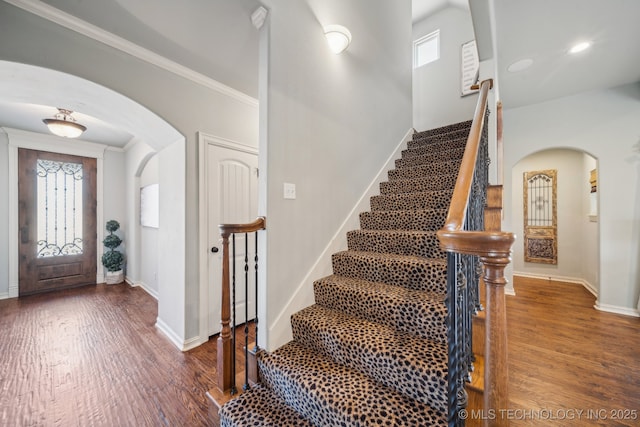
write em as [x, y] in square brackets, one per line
[473, 251]
[227, 339]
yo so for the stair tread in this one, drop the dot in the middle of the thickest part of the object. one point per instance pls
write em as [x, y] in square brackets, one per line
[436, 156]
[402, 242]
[328, 393]
[260, 407]
[415, 219]
[419, 312]
[425, 170]
[434, 199]
[466, 124]
[409, 271]
[433, 182]
[413, 365]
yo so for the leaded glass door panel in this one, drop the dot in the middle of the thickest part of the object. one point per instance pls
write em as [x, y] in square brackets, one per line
[540, 217]
[57, 220]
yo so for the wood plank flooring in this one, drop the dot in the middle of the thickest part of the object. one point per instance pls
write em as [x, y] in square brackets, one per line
[570, 364]
[92, 356]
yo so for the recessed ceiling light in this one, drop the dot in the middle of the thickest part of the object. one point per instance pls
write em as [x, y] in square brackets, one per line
[580, 47]
[520, 65]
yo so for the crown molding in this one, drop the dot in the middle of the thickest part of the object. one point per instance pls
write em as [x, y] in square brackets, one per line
[86, 29]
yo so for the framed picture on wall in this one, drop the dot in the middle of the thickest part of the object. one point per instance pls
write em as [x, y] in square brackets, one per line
[469, 68]
[150, 206]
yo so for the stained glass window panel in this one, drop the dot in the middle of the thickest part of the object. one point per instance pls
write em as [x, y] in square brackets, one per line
[59, 193]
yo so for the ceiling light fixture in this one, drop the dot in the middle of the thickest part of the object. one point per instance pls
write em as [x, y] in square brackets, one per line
[338, 37]
[64, 124]
[580, 47]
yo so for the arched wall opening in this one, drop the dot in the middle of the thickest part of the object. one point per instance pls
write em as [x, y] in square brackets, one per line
[577, 227]
[26, 85]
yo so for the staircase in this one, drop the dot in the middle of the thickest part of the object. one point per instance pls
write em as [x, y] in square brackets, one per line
[372, 350]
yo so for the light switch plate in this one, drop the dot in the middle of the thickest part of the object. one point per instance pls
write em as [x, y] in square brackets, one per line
[289, 190]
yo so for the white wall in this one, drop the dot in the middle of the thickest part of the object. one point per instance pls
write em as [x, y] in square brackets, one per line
[187, 106]
[572, 209]
[4, 215]
[590, 243]
[114, 202]
[436, 86]
[604, 124]
[149, 236]
[333, 120]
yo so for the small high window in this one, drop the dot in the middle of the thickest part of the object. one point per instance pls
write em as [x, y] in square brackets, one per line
[426, 49]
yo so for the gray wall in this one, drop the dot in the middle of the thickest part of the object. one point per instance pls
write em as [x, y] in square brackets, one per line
[333, 120]
[149, 236]
[577, 235]
[187, 106]
[605, 125]
[4, 215]
[328, 124]
[436, 86]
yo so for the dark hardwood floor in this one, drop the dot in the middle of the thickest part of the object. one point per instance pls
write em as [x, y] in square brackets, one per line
[570, 364]
[92, 357]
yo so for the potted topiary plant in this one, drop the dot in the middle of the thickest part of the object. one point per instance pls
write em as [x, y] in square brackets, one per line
[112, 260]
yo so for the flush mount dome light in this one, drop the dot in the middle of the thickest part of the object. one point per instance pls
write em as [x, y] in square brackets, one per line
[64, 124]
[579, 47]
[338, 37]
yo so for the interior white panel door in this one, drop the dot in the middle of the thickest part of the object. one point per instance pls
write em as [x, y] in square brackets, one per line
[232, 181]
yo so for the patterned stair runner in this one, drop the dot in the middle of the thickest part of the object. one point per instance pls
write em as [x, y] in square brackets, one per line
[372, 350]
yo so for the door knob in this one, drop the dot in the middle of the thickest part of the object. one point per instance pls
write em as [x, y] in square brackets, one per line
[214, 249]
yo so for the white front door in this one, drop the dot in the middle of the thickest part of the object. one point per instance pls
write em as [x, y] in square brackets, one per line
[232, 183]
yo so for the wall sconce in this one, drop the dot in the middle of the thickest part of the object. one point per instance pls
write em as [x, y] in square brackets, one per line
[64, 124]
[338, 37]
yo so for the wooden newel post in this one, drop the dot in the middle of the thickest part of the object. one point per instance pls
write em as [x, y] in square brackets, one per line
[225, 350]
[496, 374]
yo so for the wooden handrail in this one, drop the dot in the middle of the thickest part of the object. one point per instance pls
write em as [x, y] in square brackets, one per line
[458, 207]
[228, 229]
[226, 368]
[493, 247]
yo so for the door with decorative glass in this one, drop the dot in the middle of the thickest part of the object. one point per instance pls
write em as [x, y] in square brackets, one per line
[57, 221]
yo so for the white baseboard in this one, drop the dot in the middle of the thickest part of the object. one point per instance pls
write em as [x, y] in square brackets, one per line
[280, 328]
[578, 281]
[182, 345]
[617, 309]
[4, 295]
[144, 286]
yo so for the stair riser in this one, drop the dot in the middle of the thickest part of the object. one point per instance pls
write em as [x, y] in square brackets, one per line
[378, 356]
[335, 398]
[408, 272]
[440, 156]
[440, 168]
[403, 220]
[443, 129]
[417, 185]
[450, 136]
[421, 148]
[417, 314]
[401, 243]
[426, 200]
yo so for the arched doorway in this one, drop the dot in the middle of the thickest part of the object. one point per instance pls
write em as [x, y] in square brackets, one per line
[121, 133]
[577, 226]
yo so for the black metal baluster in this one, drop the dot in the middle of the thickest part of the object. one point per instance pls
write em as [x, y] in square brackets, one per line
[246, 387]
[255, 320]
